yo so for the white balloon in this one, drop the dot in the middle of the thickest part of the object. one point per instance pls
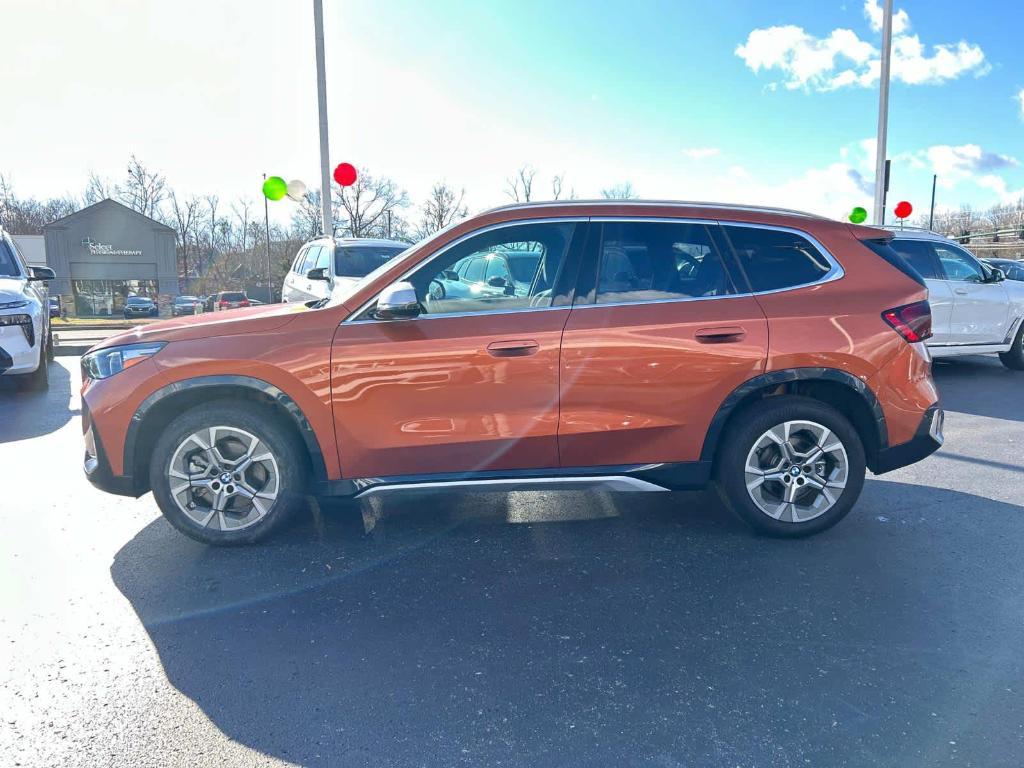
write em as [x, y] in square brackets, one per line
[296, 189]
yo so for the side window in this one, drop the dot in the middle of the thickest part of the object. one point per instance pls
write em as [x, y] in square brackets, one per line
[958, 265]
[323, 261]
[439, 294]
[311, 256]
[919, 255]
[775, 259]
[299, 258]
[475, 271]
[656, 261]
[1016, 272]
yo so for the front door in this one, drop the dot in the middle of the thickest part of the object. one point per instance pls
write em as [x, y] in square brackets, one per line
[471, 384]
[981, 310]
[656, 341]
[921, 256]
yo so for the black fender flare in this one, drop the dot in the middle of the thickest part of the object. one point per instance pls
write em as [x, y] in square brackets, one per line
[786, 376]
[280, 397]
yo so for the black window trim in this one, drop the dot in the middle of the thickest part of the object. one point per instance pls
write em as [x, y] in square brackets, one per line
[568, 273]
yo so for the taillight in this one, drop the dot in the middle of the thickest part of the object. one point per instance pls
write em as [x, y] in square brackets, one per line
[245, 303]
[223, 303]
[911, 321]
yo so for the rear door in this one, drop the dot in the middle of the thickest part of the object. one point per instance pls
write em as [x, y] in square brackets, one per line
[921, 256]
[659, 334]
[981, 310]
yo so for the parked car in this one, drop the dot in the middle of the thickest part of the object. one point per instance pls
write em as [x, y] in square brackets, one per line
[500, 273]
[1014, 270]
[659, 347]
[140, 306]
[185, 305]
[54, 306]
[328, 263]
[975, 310]
[230, 300]
[26, 344]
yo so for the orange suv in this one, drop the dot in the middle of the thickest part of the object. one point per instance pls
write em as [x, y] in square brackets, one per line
[639, 346]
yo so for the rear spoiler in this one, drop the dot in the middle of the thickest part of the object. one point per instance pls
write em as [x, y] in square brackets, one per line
[863, 232]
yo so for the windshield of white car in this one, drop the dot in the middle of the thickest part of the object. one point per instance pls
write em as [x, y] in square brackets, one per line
[8, 264]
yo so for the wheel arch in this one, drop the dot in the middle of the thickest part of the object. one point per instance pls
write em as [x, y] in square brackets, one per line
[842, 390]
[159, 408]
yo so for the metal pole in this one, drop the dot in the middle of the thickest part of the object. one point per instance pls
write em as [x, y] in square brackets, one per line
[321, 93]
[883, 113]
[266, 216]
[931, 211]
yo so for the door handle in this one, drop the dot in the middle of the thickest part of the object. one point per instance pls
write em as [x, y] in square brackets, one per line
[725, 334]
[960, 291]
[518, 348]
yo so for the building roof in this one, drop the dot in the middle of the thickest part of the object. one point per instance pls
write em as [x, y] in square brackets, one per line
[106, 204]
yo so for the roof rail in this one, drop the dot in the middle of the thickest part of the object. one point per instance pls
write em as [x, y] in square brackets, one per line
[680, 203]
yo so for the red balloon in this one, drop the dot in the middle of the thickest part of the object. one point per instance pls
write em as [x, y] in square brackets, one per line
[903, 209]
[345, 174]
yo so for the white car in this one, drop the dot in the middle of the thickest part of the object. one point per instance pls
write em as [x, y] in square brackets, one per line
[25, 343]
[975, 310]
[332, 262]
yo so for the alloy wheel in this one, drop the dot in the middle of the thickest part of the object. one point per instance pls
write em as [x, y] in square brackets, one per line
[224, 478]
[796, 471]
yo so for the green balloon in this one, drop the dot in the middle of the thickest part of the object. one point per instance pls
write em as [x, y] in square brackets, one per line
[275, 188]
[858, 215]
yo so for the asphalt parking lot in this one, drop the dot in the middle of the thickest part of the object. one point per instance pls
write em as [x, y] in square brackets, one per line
[567, 629]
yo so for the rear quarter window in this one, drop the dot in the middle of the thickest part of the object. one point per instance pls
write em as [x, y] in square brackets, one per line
[774, 259]
[913, 258]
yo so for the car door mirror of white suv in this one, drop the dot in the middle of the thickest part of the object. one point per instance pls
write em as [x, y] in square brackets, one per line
[398, 302]
[320, 273]
[41, 273]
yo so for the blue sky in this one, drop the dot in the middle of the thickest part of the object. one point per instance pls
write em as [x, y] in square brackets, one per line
[662, 94]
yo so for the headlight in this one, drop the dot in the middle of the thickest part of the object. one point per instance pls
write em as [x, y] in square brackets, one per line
[25, 321]
[13, 304]
[104, 363]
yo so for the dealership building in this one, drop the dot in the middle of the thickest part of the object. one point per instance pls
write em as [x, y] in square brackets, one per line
[105, 253]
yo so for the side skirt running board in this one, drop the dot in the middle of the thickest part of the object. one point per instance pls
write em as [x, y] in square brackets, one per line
[620, 483]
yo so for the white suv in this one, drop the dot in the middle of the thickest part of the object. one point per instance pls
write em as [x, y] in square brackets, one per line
[25, 343]
[975, 310]
[327, 263]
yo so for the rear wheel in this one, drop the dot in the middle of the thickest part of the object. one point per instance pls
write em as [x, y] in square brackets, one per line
[225, 474]
[792, 466]
[1014, 358]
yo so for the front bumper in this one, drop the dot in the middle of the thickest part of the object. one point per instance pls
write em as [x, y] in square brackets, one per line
[925, 442]
[96, 466]
[19, 355]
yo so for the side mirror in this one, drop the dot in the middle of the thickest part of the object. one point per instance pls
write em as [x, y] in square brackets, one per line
[497, 282]
[320, 273]
[41, 273]
[397, 302]
[450, 274]
[997, 275]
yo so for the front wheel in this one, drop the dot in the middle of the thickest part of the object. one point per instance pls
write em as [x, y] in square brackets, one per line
[1014, 357]
[225, 474]
[791, 467]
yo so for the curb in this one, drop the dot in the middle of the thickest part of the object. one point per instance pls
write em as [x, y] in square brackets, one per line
[71, 350]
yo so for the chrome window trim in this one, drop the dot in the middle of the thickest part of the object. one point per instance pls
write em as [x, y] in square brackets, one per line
[663, 301]
[353, 318]
[836, 272]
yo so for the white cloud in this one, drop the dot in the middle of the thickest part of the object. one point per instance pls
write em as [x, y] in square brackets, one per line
[998, 185]
[843, 59]
[699, 153]
[1020, 98]
[900, 19]
[953, 163]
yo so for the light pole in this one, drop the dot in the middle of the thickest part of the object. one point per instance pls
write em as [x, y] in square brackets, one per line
[266, 219]
[883, 114]
[321, 93]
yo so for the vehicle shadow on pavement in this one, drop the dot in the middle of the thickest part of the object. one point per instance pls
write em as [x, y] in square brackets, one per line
[25, 414]
[960, 380]
[597, 629]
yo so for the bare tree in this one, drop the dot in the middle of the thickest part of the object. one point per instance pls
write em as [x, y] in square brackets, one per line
[520, 186]
[242, 208]
[623, 191]
[186, 221]
[97, 188]
[28, 216]
[143, 190]
[367, 204]
[306, 219]
[442, 208]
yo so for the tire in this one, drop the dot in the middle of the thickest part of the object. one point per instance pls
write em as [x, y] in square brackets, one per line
[810, 423]
[1014, 358]
[216, 496]
[50, 352]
